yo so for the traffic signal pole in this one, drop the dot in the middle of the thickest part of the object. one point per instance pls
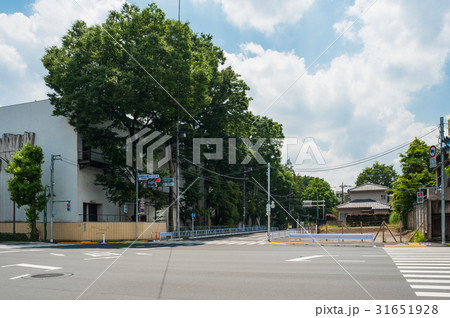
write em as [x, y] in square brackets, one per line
[442, 183]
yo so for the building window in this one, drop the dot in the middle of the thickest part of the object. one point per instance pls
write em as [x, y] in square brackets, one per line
[383, 197]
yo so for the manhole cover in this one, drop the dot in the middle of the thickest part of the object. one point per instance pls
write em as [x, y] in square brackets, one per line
[48, 275]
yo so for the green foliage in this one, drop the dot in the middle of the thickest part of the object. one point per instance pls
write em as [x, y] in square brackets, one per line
[319, 189]
[25, 187]
[416, 174]
[419, 237]
[18, 237]
[394, 218]
[379, 174]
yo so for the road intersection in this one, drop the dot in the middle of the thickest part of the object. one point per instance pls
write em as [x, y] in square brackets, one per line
[233, 268]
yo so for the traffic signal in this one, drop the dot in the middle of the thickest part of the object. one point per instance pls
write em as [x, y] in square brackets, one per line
[152, 182]
[419, 197]
[68, 206]
[446, 144]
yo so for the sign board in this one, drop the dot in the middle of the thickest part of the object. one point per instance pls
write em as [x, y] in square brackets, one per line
[433, 163]
[193, 215]
[145, 177]
[432, 152]
[307, 203]
[167, 181]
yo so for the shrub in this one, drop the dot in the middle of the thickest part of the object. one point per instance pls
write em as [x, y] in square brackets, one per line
[18, 237]
[394, 218]
[419, 237]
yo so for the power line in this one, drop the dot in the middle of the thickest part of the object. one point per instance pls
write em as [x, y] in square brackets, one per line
[370, 158]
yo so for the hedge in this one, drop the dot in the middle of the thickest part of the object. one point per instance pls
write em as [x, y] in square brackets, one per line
[18, 237]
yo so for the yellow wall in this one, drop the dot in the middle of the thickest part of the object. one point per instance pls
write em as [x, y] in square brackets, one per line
[92, 231]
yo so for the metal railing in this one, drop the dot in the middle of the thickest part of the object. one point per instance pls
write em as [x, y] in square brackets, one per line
[216, 232]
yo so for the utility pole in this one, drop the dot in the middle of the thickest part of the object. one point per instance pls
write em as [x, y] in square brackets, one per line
[342, 186]
[268, 201]
[52, 192]
[178, 125]
[442, 183]
[245, 181]
[137, 204]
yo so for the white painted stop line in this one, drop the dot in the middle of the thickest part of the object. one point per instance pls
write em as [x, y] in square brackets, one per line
[48, 268]
[305, 258]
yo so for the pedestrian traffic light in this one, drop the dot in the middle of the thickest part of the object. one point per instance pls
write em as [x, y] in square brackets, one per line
[419, 197]
[152, 182]
[68, 206]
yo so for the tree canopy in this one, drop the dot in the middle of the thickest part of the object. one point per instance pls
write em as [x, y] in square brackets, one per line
[381, 174]
[141, 70]
[416, 174]
[25, 187]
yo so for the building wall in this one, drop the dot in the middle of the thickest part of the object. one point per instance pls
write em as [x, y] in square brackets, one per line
[369, 195]
[55, 136]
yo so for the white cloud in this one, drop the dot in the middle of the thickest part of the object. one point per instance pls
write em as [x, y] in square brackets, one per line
[23, 40]
[356, 106]
[263, 16]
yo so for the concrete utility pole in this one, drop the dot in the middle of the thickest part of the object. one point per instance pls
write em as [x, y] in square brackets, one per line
[137, 205]
[442, 183]
[268, 201]
[245, 181]
[52, 192]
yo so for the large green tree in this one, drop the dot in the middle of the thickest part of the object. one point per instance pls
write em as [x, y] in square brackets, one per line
[139, 69]
[25, 187]
[416, 174]
[382, 174]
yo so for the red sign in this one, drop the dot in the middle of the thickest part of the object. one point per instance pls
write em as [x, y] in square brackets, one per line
[432, 151]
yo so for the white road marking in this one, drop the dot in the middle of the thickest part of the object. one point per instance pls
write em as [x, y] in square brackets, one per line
[351, 261]
[376, 255]
[20, 276]
[423, 267]
[432, 294]
[422, 261]
[48, 268]
[101, 254]
[430, 287]
[433, 281]
[305, 258]
[107, 257]
[17, 251]
[144, 254]
[422, 271]
[423, 264]
[57, 254]
[426, 276]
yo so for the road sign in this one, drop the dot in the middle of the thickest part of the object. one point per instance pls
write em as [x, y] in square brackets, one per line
[432, 151]
[167, 181]
[193, 215]
[433, 162]
[144, 177]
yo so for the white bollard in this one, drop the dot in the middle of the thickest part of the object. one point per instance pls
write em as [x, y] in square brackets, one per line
[103, 239]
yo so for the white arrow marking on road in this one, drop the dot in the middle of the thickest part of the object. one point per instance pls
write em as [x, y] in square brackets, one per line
[351, 261]
[20, 276]
[57, 254]
[48, 268]
[143, 254]
[304, 258]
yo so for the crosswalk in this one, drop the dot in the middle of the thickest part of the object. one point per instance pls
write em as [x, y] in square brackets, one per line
[426, 269]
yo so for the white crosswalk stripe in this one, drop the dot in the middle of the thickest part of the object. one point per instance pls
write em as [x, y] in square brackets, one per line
[426, 269]
[232, 242]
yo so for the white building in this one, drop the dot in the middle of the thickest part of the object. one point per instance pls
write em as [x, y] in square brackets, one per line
[74, 173]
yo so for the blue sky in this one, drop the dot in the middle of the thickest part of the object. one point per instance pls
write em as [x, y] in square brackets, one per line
[383, 82]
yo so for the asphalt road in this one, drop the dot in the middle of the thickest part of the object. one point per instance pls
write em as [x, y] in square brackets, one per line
[222, 269]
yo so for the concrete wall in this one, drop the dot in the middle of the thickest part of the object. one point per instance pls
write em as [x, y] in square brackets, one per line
[369, 195]
[92, 231]
[55, 136]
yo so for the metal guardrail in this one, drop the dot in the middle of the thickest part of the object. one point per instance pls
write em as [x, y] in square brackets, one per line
[214, 232]
[338, 237]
